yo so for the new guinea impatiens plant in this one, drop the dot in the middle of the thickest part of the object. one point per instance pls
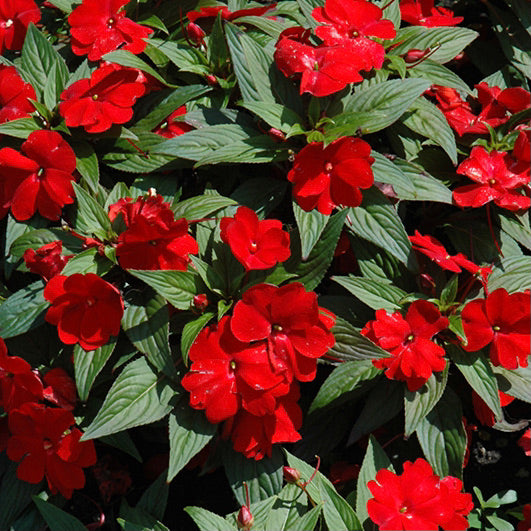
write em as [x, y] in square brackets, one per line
[266, 265]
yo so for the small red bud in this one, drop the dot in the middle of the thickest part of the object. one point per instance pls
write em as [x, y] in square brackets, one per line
[291, 475]
[245, 518]
[427, 283]
[211, 80]
[276, 135]
[412, 56]
[200, 302]
[195, 33]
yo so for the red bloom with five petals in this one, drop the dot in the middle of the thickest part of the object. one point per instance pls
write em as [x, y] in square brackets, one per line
[414, 357]
[330, 177]
[256, 244]
[501, 320]
[41, 180]
[15, 17]
[106, 98]
[100, 26]
[86, 309]
[46, 444]
[47, 260]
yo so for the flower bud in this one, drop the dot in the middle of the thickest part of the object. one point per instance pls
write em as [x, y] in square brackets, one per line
[276, 135]
[200, 302]
[195, 33]
[291, 475]
[212, 80]
[414, 55]
[245, 518]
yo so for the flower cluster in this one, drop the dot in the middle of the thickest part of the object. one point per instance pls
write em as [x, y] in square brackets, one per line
[47, 260]
[418, 499]
[244, 369]
[346, 48]
[15, 17]
[43, 438]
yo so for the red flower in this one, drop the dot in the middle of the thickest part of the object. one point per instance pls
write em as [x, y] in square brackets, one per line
[60, 389]
[329, 177]
[42, 180]
[98, 27]
[296, 329]
[483, 412]
[15, 17]
[46, 444]
[227, 375]
[106, 98]
[212, 12]
[413, 356]
[503, 321]
[172, 127]
[525, 524]
[18, 383]
[325, 70]
[86, 309]
[15, 94]
[496, 181]
[255, 435]
[256, 244]
[348, 19]
[423, 13]
[153, 239]
[418, 499]
[47, 260]
[524, 442]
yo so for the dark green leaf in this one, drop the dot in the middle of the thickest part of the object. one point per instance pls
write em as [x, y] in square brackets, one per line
[91, 218]
[39, 237]
[207, 521]
[512, 273]
[123, 442]
[57, 519]
[517, 227]
[138, 396]
[311, 225]
[191, 331]
[89, 261]
[201, 206]
[155, 499]
[20, 128]
[274, 114]
[515, 382]
[438, 75]
[261, 194]
[87, 164]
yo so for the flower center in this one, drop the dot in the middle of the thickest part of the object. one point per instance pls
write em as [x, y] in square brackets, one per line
[47, 445]
[328, 167]
[410, 338]
[403, 509]
[164, 125]
[95, 97]
[492, 181]
[496, 328]
[232, 365]
[253, 246]
[110, 22]
[152, 242]
[40, 172]
[316, 65]
[354, 33]
[90, 301]
[8, 23]
[277, 328]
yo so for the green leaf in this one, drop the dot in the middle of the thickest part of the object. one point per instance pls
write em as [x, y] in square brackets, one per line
[261, 194]
[87, 165]
[138, 396]
[189, 433]
[515, 382]
[57, 519]
[517, 227]
[308, 521]
[351, 345]
[376, 107]
[199, 207]
[208, 521]
[438, 75]
[187, 58]
[260, 511]
[37, 59]
[418, 404]
[57, 78]
[338, 514]
[155, 499]
[274, 114]
[427, 120]
[39, 237]
[289, 507]
[89, 261]
[23, 311]
[384, 402]
[512, 273]
[449, 292]
[478, 372]
[442, 436]
[88, 364]
[450, 41]
[63, 5]
[123, 442]
[191, 331]
[377, 221]
[20, 128]
[91, 218]
[126, 58]
[263, 477]
[154, 22]
[311, 225]
[217, 51]
[251, 65]
[374, 293]
[146, 323]
[177, 287]
[375, 459]
[347, 381]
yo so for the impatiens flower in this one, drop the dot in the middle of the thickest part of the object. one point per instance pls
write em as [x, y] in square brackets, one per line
[172, 127]
[325, 178]
[525, 524]
[524, 442]
[18, 382]
[424, 13]
[39, 181]
[501, 320]
[483, 413]
[47, 260]
[86, 309]
[227, 375]
[256, 244]
[255, 435]
[100, 26]
[106, 98]
[60, 389]
[348, 19]
[495, 181]
[418, 499]
[296, 329]
[15, 94]
[212, 12]
[46, 443]
[414, 357]
[15, 17]
[153, 240]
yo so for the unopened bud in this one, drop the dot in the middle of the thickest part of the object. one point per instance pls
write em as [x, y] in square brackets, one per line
[427, 283]
[245, 518]
[212, 80]
[200, 302]
[276, 135]
[291, 475]
[412, 56]
[195, 33]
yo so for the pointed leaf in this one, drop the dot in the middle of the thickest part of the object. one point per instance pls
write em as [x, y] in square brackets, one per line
[311, 225]
[57, 519]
